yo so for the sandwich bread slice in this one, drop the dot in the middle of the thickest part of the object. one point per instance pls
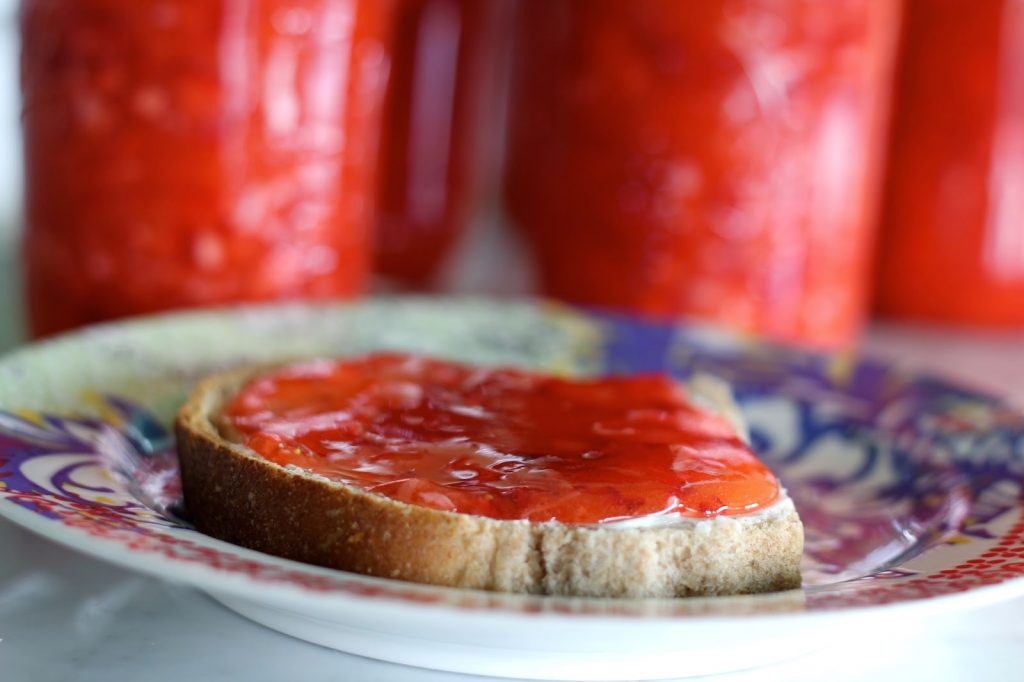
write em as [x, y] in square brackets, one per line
[431, 471]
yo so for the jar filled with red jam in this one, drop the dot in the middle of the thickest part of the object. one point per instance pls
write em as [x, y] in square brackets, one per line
[186, 153]
[717, 160]
[434, 153]
[952, 243]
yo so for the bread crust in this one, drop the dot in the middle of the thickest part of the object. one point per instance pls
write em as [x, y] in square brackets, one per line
[235, 495]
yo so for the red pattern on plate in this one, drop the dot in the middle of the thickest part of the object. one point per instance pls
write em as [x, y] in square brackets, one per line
[1004, 561]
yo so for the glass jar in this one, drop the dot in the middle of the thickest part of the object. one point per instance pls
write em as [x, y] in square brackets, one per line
[182, 153]
[952, 242]
[718, 160]
[443, 78]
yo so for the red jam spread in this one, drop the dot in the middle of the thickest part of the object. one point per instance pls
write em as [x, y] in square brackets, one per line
[502, 443]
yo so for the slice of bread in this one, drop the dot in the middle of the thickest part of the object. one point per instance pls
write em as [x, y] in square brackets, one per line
[236, 495]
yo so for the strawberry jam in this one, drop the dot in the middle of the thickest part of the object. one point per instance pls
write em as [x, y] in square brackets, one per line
[502, 443]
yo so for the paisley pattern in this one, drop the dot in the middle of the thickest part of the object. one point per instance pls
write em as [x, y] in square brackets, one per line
[909, 487]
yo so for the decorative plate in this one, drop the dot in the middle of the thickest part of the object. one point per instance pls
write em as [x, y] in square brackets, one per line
[909, 487]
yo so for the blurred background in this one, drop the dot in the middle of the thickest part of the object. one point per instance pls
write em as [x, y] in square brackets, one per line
[787, 168]
[10, 175]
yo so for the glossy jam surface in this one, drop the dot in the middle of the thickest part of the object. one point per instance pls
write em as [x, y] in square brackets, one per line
[952, 243]
[502, 443]
[717, 159]
[183, 153]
